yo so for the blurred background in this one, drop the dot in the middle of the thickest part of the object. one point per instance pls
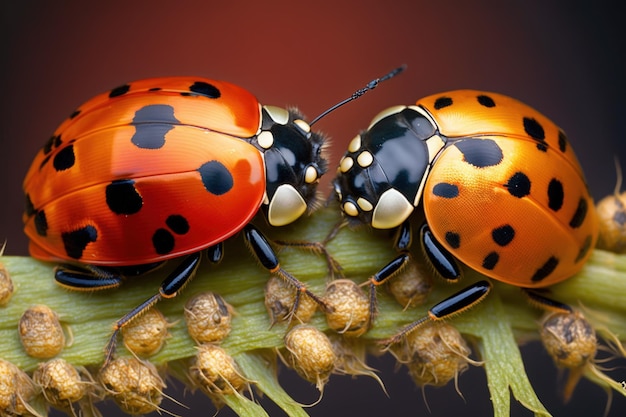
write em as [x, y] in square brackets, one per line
[565, 58]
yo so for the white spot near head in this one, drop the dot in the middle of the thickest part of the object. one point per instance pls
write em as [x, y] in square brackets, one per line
[355, 144]
[364, 204]
[387, 112]
[278, 114]
[286, 206]
[302, 125]
[350, 209]
[365, 159]
[265, 139]
[310, 175]
[392, 209]
[346, 163]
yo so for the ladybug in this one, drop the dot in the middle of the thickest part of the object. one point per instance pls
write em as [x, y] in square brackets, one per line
[497, 183]
[166, 168]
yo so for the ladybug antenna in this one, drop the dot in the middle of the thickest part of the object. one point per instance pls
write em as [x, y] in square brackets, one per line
[370, 86]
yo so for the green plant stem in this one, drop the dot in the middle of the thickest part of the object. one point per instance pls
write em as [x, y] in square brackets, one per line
[498, 325]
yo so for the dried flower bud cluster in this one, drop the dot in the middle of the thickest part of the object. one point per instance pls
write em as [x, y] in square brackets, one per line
[349, 312]
[41, 332]
[146, 334]
[208, 318]
[279, 301]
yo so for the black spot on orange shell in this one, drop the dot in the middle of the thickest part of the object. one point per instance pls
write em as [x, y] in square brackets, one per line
[152, 122]
[491, 260]
[453, 239]
[163, 241]
[562, 141]
[177, 223]
[64, 159]
[41, 223]
[442, 102]
[29, 207]
[74, 114]
[205, 89]
[518, 185]
[579, 215]
[545, 270]
[486, 101]
[503, 235]
[584, 249]
[76, 241]
[534, 129]
[480, 153]
[216, 178]
[445, 190]
[123, 198]
[555, 194]
[119, 91]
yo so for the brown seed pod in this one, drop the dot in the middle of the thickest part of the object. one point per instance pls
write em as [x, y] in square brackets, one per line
[145, 335]
[412, 285]
[135, 385]
[208, 318]
[349, 312]
[611, 212]
[310, 353]
[41, 333]
[6, 285]
[215, 372]
[280, 298]
[16, 391]
[569, 339]
[434, 355]
[61, 383]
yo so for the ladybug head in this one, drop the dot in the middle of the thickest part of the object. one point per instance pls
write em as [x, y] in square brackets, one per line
[294, 163]
[380, 177]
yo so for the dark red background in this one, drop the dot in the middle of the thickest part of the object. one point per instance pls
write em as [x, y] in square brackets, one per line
[563, 58]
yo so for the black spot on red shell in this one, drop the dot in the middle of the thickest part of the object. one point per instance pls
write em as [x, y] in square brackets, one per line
[177, 223]
[490, 261]
[74, 113]
[518, 185]
[76, 241]
[155, 89]
[41, 223]
[584, 249]
[555, 194]
[545, 270]
[152, 123]
[163, 241]
[123, 198]
[64, 159]
[503, 235]
[579, 215]
[562, 141]
[216, 178]
[453, 239]
[119, 91]
[486, 101]
[205, 89]
[480, 153]
[534, 129]
[445, 190]
[29, 207]
[442, 102]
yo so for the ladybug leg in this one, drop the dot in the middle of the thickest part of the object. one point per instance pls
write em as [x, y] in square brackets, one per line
[443, 261]
[334, 268]
[451, 306]
[98, 278]
[169, 288]
[261, 248]
[546, 303]
[402, 243]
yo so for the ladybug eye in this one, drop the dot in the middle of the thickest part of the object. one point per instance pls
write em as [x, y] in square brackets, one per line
[310, 175]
